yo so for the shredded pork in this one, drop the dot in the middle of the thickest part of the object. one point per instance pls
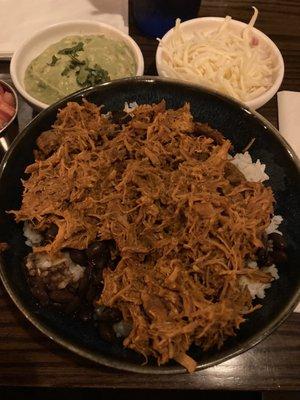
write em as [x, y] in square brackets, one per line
[184, 220]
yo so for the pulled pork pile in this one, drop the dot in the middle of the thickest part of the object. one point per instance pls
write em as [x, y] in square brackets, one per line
[184, 220]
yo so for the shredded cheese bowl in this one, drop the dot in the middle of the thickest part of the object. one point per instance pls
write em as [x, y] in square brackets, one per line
[225, 55]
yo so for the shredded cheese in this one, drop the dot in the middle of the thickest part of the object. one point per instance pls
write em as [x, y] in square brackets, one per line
[237, 65]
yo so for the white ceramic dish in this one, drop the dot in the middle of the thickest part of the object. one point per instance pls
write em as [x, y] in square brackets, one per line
[10, 89]
[35, 45]
[208, 24]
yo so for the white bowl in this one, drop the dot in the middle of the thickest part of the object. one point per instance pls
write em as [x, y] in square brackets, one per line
[35, 45]
[207, 24]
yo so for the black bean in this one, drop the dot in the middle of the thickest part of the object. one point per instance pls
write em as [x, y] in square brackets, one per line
[97, 273]
[279, 257]
[111, 244]
[278, 240]
[39, 292]
[96, 250]
[72, 289]
[106, 332]
[83, 284]
[78, 256]
[99, 139]
[112, 135]
[72, 306]
[61, 296]
[57, 305]
[108, 314]
[175, 164]
[93, 293]
[101, 263]
[220, 191]
[262, 256]
[85, 314]
[113, 263]
[270, 259]
[51, 232]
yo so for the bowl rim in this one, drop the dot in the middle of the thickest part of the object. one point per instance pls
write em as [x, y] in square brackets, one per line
[15, 60]
[109, 361]
[257, 101]
[12, 90]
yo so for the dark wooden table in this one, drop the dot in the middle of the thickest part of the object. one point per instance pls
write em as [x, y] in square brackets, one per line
[27, 358]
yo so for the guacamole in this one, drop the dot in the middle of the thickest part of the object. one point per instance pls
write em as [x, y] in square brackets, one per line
[76, 62]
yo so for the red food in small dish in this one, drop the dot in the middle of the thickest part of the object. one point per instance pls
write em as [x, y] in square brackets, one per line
[7, 106]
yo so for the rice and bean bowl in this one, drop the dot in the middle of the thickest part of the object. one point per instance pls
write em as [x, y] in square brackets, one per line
[98, 265]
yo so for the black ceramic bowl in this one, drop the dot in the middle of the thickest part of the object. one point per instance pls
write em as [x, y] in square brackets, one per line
[240, 126]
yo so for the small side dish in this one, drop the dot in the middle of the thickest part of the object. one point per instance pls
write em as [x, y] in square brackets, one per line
[76, 62]
[222, 54]
[69, 56]
[7, 105]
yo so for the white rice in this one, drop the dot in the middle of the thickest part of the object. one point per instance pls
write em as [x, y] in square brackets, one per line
[255, 172]
[129, 107]
[33, 237]
[275, 222]
[57, 273]
[257, 289]
[122, 328]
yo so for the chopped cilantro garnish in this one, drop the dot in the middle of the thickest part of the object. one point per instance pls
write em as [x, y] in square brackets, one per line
[72, 51]
[65, 71]
[53, 61]
[92, 76]
[75, 62]
[85, 76]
